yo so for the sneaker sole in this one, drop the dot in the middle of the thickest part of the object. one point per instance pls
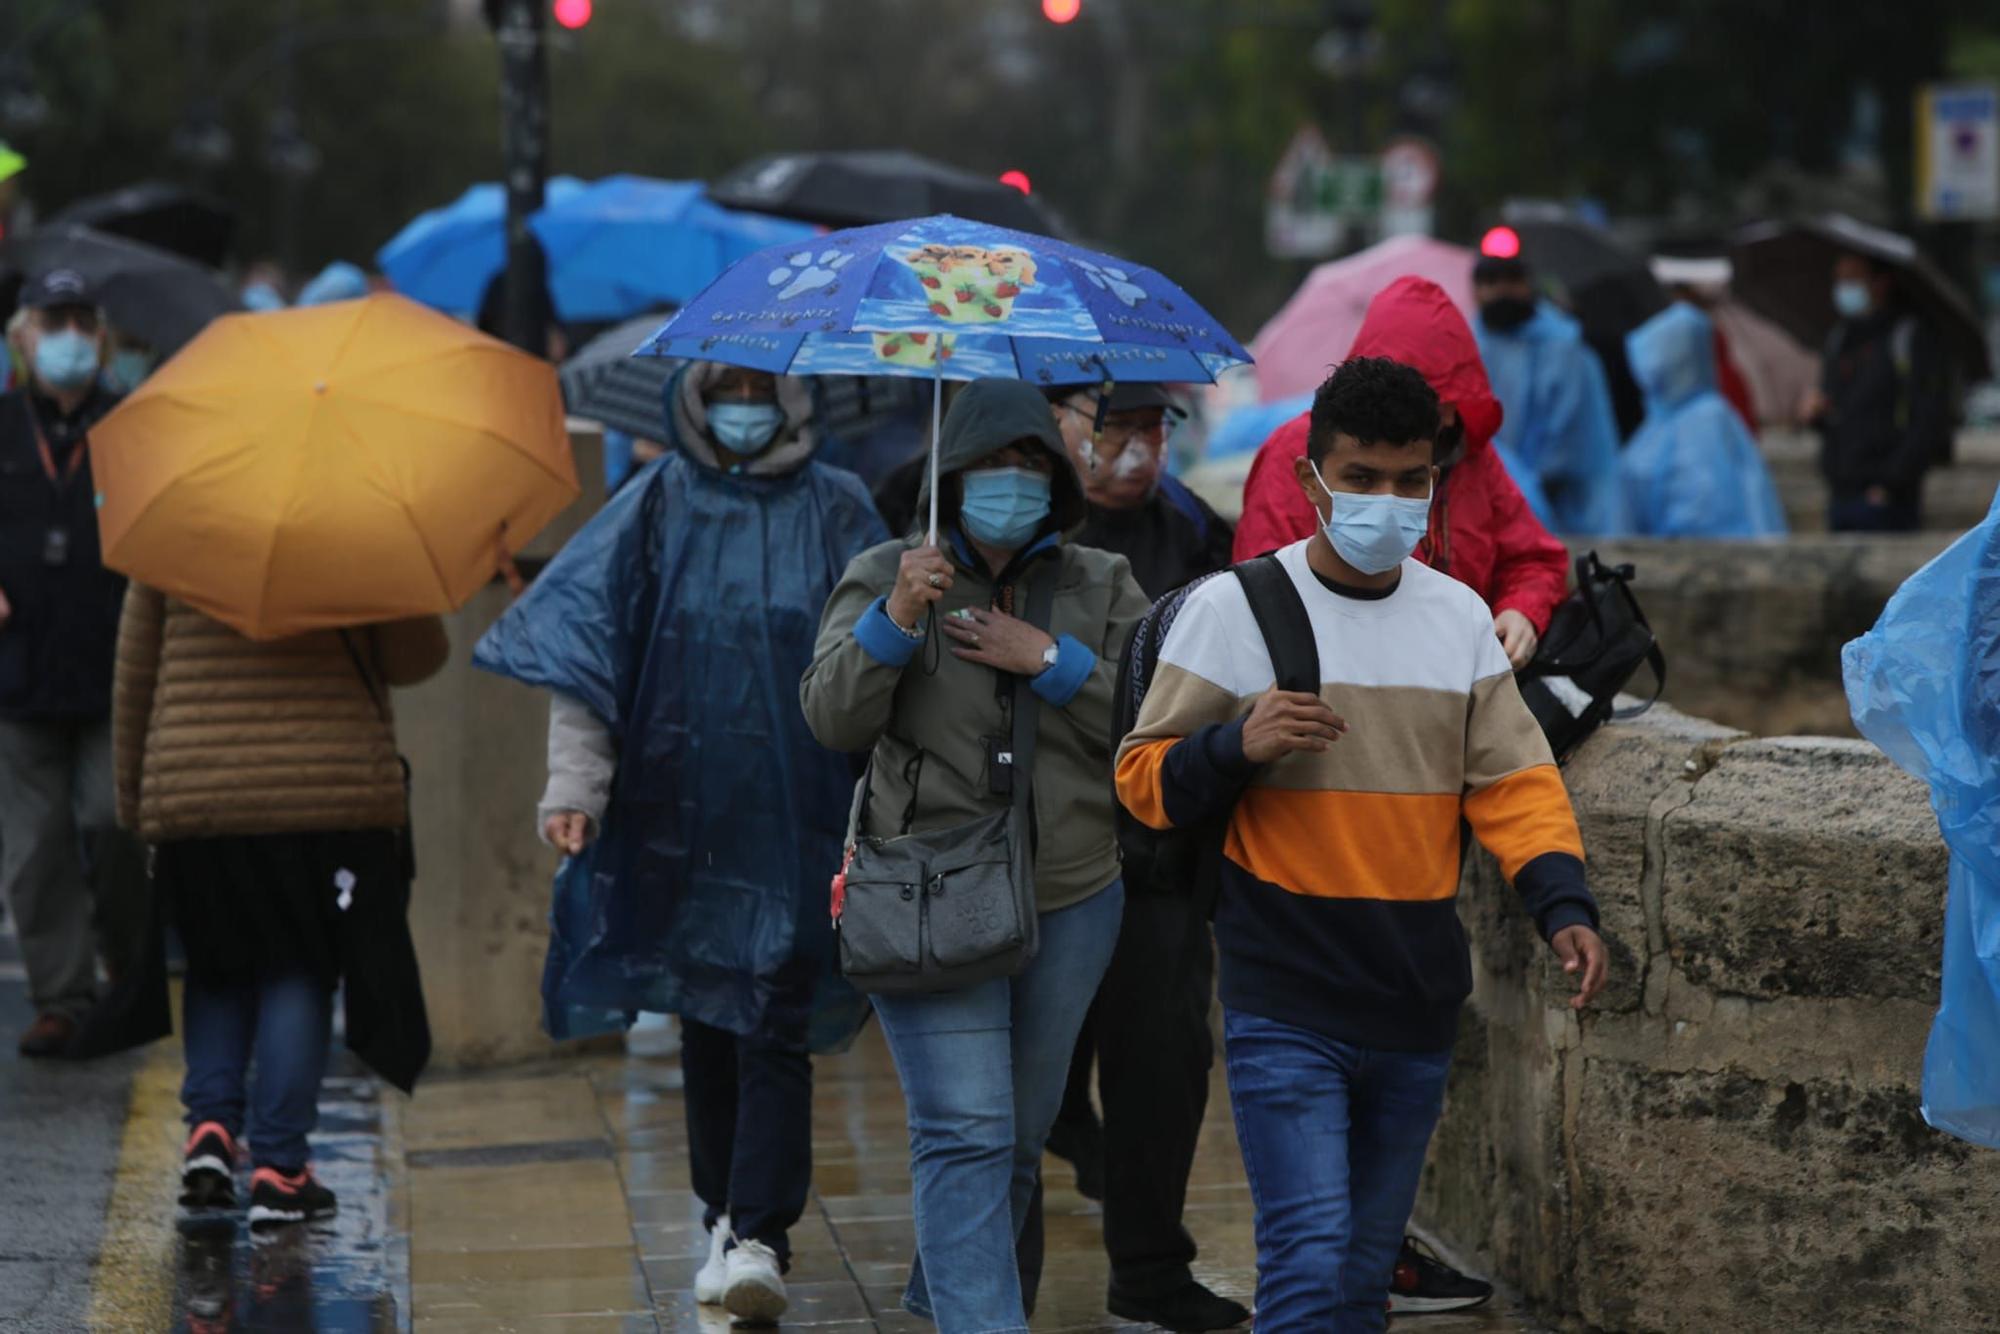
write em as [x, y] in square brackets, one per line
[1126, 1310]
[1434, 1305]
[754, 1303]
[263, 1215]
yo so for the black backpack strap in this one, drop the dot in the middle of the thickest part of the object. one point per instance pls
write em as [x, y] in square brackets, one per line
[1283, 620]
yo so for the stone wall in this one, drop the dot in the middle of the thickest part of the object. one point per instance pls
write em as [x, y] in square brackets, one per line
[1731, 1139]
[477, 746]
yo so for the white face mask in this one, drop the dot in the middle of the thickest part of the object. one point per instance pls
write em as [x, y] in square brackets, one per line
[1374, 534]
[1135, 460]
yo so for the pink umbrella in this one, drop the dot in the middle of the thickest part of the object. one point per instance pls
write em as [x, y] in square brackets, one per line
[1299, 344]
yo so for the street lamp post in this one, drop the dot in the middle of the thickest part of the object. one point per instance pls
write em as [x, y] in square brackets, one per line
[524, 134]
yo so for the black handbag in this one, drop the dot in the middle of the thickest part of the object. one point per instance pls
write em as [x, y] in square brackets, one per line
[1597, 641]
[947, 909]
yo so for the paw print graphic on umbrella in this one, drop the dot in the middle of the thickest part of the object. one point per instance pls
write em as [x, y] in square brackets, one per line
[1115, 281]
[803, 272]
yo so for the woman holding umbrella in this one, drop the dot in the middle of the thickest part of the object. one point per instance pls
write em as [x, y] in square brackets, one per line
[264, 776]
[983, 1068]
[701, 817]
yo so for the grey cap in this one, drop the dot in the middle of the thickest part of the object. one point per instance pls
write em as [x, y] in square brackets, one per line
[1126, 397]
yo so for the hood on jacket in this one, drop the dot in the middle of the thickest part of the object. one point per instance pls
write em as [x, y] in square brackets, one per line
[1414, 322]
[1673, 356]
[687, 418]
[992, 414]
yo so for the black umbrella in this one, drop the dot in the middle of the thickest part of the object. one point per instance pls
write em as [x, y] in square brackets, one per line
[148, 293]
[171, 217]
[1610, 290]
[606, 383]
[1784, 271]
[857, 188]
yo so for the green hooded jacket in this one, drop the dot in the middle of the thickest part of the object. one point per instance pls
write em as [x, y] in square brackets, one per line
[928, 728]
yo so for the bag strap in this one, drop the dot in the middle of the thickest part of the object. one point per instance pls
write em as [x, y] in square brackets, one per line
[367, 681]
[1658, 662]
[1026, 707]
[1286, 625]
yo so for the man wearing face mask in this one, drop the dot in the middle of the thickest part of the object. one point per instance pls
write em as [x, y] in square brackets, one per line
[1560, 425]
[1344, 964]
[703, 816]
[1136, 509]
[1481, 530]
[59, 611]
[1884, 409]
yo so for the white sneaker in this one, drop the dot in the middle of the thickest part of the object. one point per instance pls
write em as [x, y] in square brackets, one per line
[713, 1277]
[756, 1290]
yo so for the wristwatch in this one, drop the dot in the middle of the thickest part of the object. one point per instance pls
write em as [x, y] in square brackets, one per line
[1049, 656]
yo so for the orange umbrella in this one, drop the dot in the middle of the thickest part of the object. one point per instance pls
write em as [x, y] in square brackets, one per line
[331, 465]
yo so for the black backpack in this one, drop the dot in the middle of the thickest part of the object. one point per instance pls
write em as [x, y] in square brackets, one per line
[1186, 862]
[1596, 642]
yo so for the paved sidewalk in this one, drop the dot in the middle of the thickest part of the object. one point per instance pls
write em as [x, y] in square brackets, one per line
[555, 1198]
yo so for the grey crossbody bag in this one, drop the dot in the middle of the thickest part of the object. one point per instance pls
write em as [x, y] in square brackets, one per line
[947, 909]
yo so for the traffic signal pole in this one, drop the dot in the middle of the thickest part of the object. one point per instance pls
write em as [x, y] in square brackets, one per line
[524, 137]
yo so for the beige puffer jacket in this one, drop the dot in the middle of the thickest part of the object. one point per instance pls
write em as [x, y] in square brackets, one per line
[215, 734]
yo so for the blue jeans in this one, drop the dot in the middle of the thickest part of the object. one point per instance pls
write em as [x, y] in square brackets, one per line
[1333, 1140]
[983, 1073]
[285, 1025]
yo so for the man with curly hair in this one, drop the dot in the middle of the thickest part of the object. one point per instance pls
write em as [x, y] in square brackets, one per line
[1344, 965]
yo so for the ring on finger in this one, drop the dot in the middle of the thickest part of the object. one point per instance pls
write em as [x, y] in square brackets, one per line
[975, 641]
[934, 579]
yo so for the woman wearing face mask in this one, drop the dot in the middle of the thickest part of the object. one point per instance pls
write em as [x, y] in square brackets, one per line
[701, 817]
[983, 1068]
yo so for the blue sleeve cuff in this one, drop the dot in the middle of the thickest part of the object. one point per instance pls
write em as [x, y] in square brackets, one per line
[1074, 664]
[1555, 893]
[1223, 745]
[882, 639]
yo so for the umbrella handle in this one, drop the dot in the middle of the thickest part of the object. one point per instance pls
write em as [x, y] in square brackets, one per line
[937, 428]
[509, 572]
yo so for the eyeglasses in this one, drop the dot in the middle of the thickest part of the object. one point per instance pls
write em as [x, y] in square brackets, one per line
[1122, 430]
[53, 318]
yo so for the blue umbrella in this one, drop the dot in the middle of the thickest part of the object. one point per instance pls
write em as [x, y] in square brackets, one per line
[630, 243]
[446, 257]
[944, 297]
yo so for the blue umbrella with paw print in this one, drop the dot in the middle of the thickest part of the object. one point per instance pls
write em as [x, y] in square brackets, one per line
[949, 299]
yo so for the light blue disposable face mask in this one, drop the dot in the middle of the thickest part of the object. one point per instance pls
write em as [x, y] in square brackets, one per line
[1374, 534]
[65, 359]
[1003, 507]
[745, 428]
[127, 368]
[1851, 298]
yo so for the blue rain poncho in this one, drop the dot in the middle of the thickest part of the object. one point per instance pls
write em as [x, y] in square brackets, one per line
[1558, 423]
[682, 616]
[1924, 685]
[1693, 469]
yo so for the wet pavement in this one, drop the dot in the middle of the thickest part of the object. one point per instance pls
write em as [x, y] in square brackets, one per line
[550, 1198]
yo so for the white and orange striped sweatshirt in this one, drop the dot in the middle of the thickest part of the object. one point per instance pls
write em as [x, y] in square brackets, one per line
[1340, 869]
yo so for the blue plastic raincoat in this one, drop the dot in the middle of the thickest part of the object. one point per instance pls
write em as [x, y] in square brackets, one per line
[1924, 685]
[1693, 469]
[1558, 421]
[683, 616]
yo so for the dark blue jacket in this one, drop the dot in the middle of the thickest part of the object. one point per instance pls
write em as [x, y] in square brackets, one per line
[57, 647]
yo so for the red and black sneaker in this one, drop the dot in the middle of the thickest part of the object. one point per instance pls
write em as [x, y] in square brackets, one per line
[208, 1171]
[277, 1198]
[1425, 1285]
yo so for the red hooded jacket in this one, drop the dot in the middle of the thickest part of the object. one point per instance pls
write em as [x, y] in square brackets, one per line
[1482, 532]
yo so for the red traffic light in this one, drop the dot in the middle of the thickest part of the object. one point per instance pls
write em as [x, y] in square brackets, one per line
[1500, 243]
[572, 14]
[1061, 11]
[1019, 180]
